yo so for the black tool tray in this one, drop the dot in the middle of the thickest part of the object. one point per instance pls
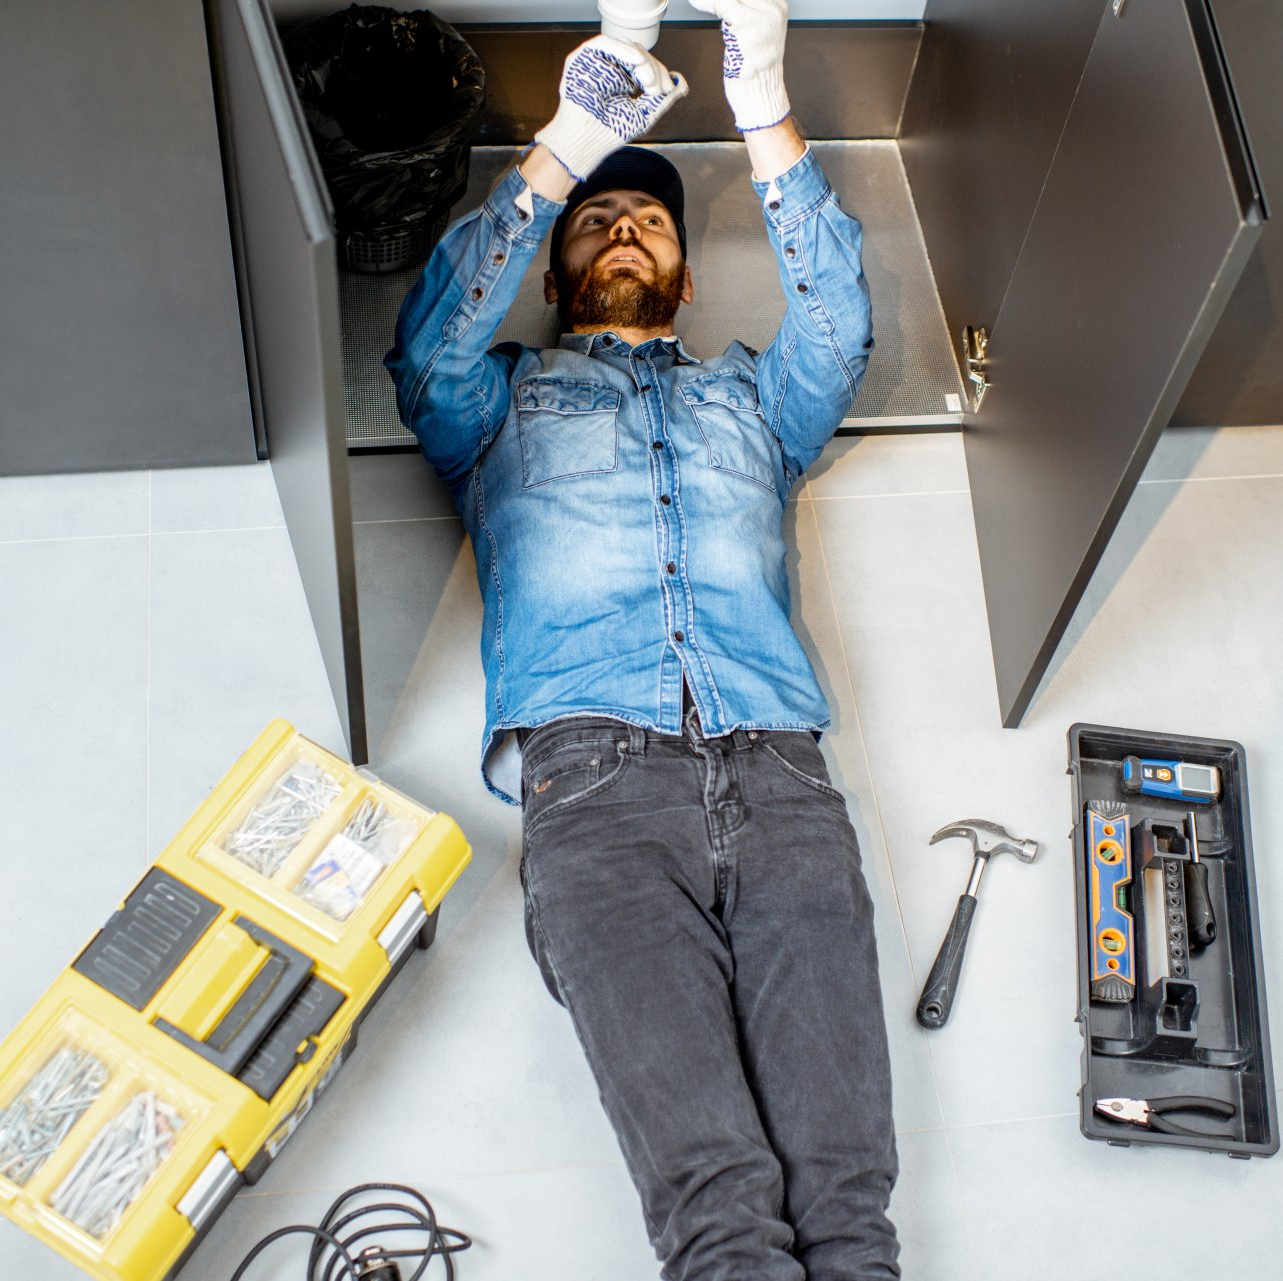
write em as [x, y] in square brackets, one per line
[1196, 1024]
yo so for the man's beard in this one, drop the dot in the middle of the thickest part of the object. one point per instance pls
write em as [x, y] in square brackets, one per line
[595, 299]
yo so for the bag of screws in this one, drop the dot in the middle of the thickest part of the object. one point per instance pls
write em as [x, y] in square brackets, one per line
[341, 877]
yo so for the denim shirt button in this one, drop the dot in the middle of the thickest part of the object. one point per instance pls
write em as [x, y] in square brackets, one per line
[679, 637]
[657, 444]
[664, 498]
[804, 289]
[775, 204]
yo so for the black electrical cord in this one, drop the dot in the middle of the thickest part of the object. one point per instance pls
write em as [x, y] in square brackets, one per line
[334, 1254]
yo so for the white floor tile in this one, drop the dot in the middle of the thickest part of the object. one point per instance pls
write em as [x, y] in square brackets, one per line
[571, 1224]
[24, 1256]
[402, 568]
[73, 764]
[468, 1081]
[1205, 453]
[204, 498]
[97, 505]
[1044, 1202]
[916, 1101]
[855, 466]
[232, 647]
[927, 1210]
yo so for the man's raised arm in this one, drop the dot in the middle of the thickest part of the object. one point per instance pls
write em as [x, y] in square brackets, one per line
[808, 376]
[452, 390]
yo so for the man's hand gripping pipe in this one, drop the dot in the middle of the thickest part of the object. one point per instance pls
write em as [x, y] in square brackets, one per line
[612, 92]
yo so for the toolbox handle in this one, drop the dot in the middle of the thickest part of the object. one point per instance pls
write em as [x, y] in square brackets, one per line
[231, 1044]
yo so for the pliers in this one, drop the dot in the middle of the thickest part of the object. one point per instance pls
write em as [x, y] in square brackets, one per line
[1150, 1113]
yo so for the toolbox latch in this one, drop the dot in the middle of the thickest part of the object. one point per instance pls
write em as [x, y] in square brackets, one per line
[403, 928]
[210, 1190]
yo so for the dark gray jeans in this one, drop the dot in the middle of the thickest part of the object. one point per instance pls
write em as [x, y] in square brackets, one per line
[698, 907]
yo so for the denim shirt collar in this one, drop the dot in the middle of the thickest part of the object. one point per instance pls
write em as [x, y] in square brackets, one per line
[596, 344]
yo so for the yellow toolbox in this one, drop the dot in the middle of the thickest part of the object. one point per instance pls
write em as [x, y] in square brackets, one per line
[171, 1061]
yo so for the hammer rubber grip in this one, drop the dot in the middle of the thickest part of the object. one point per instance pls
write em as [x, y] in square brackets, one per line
[942, 983]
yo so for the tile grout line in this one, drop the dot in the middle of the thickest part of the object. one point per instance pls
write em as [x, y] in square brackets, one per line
[886, 844]
[846, 664]
[895, 493]
[73, 538]
[935, 1078]
[406, 520]
[1208, 480]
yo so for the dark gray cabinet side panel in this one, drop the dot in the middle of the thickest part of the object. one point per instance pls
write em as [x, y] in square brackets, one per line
[120, 339]
[990, 94]
[289, 265]
[1138, 240]
[1239, 380]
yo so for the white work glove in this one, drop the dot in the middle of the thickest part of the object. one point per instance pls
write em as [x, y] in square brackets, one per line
[753, 66]
[611, 92]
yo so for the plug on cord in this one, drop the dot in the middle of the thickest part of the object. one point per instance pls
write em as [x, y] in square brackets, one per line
[373, 1264]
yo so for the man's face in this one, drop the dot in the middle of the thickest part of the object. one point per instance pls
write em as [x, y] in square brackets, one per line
[621, 265]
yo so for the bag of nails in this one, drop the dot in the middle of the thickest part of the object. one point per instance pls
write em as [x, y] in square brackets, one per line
[170, 1062]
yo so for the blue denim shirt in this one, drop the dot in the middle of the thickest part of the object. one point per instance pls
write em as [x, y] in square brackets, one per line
[625, 504]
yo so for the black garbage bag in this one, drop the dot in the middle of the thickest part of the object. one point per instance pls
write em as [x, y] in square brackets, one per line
[392, 100]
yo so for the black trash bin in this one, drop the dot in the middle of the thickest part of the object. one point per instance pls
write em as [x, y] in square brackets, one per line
[393, 100]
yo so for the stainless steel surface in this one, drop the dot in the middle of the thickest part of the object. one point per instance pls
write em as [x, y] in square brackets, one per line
[911, 373]
[1053, 456]
[120, 337]
[289, 264]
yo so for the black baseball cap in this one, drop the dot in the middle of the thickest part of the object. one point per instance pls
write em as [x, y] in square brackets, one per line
[628, 169]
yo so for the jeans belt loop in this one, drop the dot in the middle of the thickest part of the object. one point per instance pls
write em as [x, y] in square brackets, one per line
[636, 743]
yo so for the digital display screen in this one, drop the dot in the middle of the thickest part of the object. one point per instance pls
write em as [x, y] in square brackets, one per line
[1198, 778]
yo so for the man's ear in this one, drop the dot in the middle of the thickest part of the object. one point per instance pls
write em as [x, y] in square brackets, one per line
[550, 286]
[688, 287]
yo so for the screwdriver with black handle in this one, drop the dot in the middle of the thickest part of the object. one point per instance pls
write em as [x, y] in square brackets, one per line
[1199, 920]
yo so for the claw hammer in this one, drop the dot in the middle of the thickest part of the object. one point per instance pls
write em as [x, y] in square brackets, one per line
[942, 983]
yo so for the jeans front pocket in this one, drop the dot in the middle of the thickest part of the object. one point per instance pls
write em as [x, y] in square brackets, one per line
[798, 754]
[566, 429]
[557, 781]
[735, 432]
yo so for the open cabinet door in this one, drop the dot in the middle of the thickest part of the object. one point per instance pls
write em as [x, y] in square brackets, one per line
[289, 281]
[1149, 211]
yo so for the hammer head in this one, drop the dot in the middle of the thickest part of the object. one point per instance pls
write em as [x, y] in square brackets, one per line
[988, 838]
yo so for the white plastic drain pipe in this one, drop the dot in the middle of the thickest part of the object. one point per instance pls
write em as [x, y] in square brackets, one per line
[635, 20]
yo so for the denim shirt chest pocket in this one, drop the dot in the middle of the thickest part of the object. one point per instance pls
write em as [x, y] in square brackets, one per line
[734, 430]
[566, 429]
